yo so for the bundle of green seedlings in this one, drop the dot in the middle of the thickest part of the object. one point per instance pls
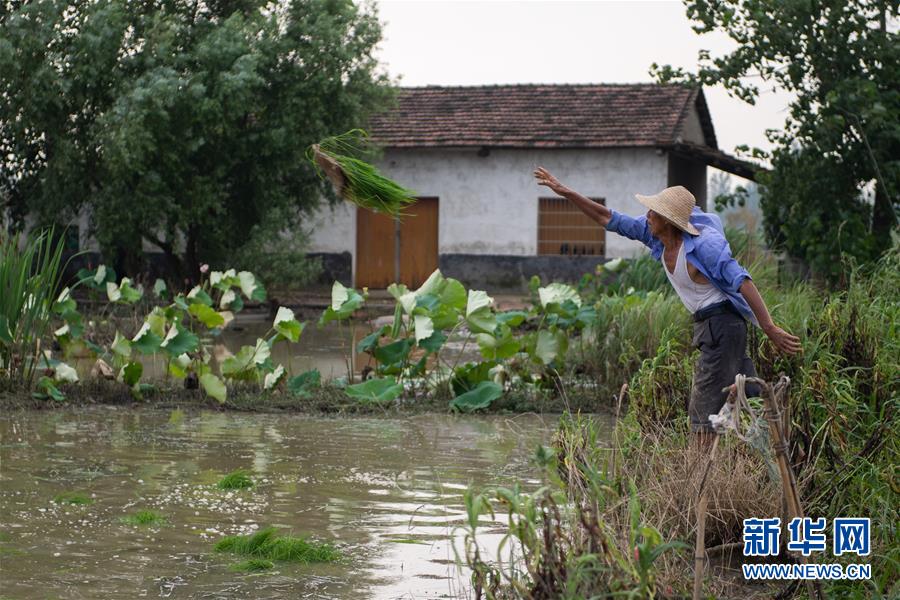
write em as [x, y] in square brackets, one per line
[340, 158]
[267, 545]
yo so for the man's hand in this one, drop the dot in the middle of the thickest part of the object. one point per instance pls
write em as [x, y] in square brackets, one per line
[545, 178]
[784, 341]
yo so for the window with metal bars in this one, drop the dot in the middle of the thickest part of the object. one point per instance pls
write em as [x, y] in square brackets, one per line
[564, 230]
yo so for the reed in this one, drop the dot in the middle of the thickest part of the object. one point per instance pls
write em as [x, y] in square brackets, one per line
[30, 281]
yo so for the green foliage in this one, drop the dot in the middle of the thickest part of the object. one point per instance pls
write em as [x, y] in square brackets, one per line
[253, 565]
[213, 386]
[377, 391]
[78, 498]
[276, 250]
[236, 480]
[582, 534]
[142, 518]
[196, 121]
[266, 544]
[481, 396]
[834, 187]
[305, 383]
[29, 284]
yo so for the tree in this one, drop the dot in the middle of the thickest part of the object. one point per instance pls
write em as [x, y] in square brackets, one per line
[182, 123]
[833, 188]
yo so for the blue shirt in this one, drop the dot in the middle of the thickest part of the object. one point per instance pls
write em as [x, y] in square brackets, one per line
[709, 252]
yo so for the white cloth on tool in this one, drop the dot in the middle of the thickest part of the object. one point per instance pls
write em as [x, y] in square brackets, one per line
[756, 433]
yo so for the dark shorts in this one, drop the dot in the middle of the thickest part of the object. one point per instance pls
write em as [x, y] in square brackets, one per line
[722, 341]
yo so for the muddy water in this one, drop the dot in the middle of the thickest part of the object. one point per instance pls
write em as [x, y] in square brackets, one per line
[386, 492]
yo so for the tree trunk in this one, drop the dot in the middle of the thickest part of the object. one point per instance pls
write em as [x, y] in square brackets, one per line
[883, 218]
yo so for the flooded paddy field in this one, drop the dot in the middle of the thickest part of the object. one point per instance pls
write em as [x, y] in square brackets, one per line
[387, 493]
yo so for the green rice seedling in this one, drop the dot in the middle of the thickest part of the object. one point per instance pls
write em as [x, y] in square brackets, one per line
[144, 517]
[73, 498]
[267, 544]
[236, 480]
[253, 565]
[356, 180]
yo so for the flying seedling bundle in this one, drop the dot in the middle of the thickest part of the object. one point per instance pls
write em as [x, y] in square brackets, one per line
[356, 180]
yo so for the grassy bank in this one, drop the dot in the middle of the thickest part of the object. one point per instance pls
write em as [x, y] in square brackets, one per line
[616, 518]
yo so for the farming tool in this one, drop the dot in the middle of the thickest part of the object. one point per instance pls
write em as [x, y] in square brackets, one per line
[776, 406]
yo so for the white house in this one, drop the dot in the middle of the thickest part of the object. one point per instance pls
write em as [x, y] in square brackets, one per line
[469, 153]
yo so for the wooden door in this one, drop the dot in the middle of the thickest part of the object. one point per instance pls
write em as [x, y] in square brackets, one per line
[375, 249]
[419, 242]
[378, 261]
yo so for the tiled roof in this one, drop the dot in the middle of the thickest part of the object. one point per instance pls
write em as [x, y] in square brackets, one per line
[540, 116]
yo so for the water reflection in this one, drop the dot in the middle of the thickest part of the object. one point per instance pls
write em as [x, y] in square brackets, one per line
[387, 491]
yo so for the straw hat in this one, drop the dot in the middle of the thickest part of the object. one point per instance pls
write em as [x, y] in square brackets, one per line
[674, 204]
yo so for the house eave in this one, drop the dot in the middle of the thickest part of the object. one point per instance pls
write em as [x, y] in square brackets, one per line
[715, 158]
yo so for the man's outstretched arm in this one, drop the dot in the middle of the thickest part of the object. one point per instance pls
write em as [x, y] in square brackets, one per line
[783, 340]
[594, 210]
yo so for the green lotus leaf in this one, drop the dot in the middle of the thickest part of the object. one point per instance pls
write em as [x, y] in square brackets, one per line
[370, 342]
[113, 292]
[432, 285]
[214, 386]
[274, 378]
[131, 373]
[198, 295]
[377, 391]
[482, 320]
[478, 398]
[424, 327]
[207, 315]
[146, 341]
[287, 326]
[303, 384]
[434, 342]
[179, 340]
[499, 346]
[513, 318]
[550, 345]
[160, 289]
[251, 287]
[453, 294]
[393, 353]
[64, 373]
[121, 345]
[477, 300]
[557, 293]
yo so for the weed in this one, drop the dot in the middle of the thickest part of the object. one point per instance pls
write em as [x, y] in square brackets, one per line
[144, 517]
[79, 498]
[267, 544]
[253, 565]
[236, 480]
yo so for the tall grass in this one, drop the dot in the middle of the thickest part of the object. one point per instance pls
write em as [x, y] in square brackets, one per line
[610, 521]
[29, 283]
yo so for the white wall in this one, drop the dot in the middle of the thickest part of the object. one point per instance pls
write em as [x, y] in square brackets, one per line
[489, 205]
[333, 229]
[691, 129]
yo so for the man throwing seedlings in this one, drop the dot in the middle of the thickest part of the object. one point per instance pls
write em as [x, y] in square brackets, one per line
[712, 285]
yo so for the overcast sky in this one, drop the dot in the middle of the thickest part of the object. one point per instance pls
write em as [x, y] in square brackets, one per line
[473, 42]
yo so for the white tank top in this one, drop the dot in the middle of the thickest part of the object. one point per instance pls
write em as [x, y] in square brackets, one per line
[694, 295]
